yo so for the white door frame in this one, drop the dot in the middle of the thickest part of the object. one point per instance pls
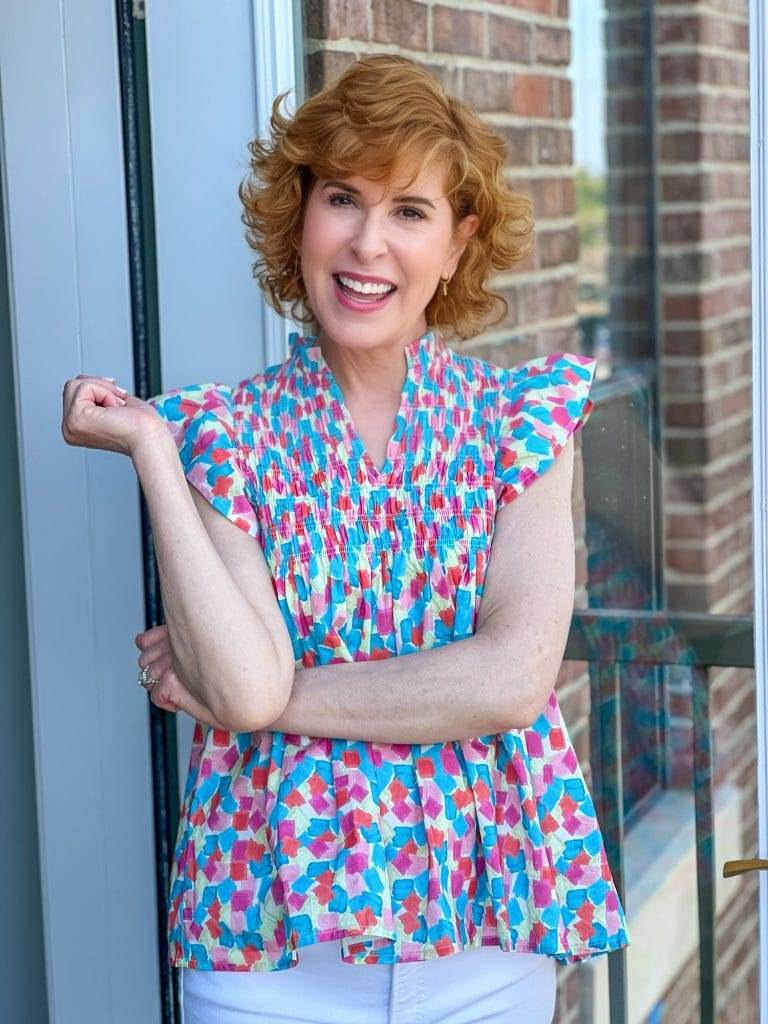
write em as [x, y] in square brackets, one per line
[70, 313]
[758, 58]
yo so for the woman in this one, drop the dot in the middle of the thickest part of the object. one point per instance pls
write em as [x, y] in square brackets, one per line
[425, 816]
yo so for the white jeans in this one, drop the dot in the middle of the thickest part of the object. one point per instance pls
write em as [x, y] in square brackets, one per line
[484, 985]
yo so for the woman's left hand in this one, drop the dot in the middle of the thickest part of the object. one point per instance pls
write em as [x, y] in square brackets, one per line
[168, 693]
[96, 413]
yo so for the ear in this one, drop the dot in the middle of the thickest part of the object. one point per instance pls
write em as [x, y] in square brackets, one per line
[466, 227]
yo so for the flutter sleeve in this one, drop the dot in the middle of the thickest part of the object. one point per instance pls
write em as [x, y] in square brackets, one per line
[542, 402]
[204, 422]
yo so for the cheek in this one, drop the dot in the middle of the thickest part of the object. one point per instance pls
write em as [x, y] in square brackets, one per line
[322, 238]
[421, 265]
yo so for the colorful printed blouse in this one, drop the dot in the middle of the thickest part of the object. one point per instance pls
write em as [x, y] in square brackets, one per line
[404, 851]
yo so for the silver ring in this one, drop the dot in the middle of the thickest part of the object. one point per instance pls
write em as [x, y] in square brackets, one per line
[146, 680]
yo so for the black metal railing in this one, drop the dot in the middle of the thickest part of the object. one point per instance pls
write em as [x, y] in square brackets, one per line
[609, 640]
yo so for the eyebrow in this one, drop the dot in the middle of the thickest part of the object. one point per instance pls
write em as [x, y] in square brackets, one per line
[397, 199]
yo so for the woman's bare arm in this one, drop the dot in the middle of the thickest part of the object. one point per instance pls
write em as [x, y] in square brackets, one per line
[497, 679]
[232, 648]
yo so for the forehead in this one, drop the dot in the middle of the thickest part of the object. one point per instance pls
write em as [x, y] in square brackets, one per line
[426, 181]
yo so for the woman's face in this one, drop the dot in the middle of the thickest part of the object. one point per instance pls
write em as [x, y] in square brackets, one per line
[370, 232]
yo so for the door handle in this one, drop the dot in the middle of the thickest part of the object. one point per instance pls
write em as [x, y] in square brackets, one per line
[737, 867]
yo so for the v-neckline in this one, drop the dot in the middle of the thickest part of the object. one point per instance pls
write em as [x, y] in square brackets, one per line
[420, 355]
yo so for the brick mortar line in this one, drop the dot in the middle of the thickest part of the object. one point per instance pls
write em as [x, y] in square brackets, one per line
[504, 120]
[675, 398]
[494, 336]
[459, 61]
[681, 10]
[684, 508]
[727, 603]
[711, 358]
[711, 577]
[669, 127]
[707, 471]
[682, 167]
[735, 168]
[706, 287]
[540, 171]
[676, 49]
[618, 207]
[536, 276]
[543, 172]
[529, 17]
[698, 89]
[668, 166]
[698, 50]
[710, 245]
[681, 89]
[748, 726]
[629, 170]
[713, 504]
[703, 8]
[708, 323]
[712, 541]
[705, 509]
[562, 223]
[723, 430]
[698, 206]
[726, 714]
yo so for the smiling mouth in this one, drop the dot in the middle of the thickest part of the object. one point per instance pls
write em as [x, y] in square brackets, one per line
[370, 298]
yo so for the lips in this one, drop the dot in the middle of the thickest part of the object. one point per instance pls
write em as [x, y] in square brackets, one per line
[362, 296]
[358, 302]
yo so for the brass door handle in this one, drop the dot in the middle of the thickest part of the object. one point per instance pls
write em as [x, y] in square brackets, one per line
[736, 867]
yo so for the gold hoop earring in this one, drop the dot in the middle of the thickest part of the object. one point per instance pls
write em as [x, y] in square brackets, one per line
[445, 281]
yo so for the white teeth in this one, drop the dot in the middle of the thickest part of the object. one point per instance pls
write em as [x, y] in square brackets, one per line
[365, 289]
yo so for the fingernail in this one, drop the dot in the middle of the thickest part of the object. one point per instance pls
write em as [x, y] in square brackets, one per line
[125, 392]
[113, 379]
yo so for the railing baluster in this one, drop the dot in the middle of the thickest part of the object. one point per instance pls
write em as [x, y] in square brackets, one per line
[705, 833]
[608, 790]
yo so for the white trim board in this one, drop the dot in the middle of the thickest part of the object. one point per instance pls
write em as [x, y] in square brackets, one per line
[758, 72]
[70, 314]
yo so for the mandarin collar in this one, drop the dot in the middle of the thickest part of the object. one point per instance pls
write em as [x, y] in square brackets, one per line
[423, 355]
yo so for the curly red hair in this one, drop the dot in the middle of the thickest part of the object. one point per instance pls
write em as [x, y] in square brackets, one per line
[384, 113]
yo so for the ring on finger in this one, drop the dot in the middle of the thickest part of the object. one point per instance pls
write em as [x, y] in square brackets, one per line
[146, 680]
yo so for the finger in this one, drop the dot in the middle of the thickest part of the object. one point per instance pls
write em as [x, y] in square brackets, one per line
[85, 393]
[171, 695]
[157, 667]
[150, 636]
[90, 393]
[107, 381]
[160, 651]
[160, 701]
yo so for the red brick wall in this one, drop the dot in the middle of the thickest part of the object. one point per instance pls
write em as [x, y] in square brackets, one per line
[510, 60]
[704, 253]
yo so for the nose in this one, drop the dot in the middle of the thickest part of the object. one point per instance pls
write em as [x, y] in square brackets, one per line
[369, 238]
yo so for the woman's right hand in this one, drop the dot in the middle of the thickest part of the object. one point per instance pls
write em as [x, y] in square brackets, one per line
[168, 693]
[98, 414]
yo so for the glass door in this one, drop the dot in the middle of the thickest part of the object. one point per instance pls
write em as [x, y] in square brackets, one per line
[659, 687]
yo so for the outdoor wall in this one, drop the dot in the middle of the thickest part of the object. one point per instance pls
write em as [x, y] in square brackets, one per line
[22, 973]
[699, 241]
